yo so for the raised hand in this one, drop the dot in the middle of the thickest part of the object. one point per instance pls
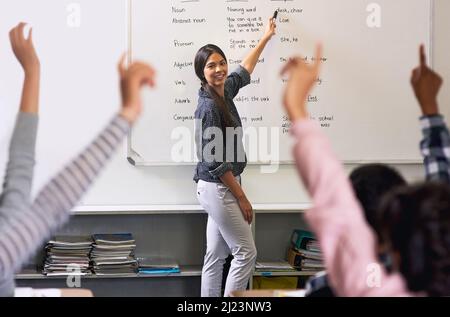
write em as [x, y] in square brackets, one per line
[132, 79]
[426, 85]
[302, 78]
[270, 29]
[24, 49]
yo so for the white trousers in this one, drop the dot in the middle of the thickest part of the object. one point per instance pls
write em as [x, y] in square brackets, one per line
[227, 233]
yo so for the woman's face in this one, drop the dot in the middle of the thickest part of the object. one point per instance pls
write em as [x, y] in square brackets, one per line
[216, 70]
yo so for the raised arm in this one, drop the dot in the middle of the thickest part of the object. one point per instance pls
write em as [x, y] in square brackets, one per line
[436, 139]
[19, 172]
[249, 62]
[21, 234]
[347, 243]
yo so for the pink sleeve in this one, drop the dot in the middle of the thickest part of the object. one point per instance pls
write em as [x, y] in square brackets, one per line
[347, 243]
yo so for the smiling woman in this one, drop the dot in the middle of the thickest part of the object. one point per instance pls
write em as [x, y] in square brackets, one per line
[218, 172]
[215, 72]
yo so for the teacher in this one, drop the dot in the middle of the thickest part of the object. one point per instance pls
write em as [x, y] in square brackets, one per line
[222, 159]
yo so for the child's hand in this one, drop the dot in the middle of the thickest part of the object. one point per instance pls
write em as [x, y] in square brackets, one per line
[426, 84]
[24, 49]
[302, 78]
[131, 81]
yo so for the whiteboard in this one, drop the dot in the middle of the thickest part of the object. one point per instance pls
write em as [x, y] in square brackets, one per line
[363, 99]
[104, 27]
[79, 43]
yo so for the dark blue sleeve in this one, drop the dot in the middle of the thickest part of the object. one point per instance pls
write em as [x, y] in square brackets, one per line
[237, 80]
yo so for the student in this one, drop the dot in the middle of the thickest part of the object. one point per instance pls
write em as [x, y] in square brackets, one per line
[218, 172]
[21, 233]
[372, 182]
[347, 243]
[17, 186]
[16, 192]
[435, 145]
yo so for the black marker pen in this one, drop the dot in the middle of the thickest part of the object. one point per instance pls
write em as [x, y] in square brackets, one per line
[275, 15]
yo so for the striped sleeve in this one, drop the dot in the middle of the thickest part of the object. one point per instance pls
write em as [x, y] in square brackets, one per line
[22, 233]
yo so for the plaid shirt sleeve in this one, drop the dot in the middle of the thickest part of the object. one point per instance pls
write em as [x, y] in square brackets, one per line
[435, 148]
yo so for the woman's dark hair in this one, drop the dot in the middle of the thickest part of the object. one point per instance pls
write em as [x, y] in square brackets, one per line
[201, 58]
[416, 223]
[370, 183]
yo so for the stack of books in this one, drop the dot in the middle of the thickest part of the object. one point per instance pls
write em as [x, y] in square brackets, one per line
[113, 254]
[157, 265]
[304, 253]
[68, 255]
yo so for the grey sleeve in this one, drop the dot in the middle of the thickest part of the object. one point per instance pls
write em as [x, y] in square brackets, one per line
[19, 171]
[22, 233]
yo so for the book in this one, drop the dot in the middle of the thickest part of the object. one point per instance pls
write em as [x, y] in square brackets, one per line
[304, 260]
[300, 238]
[277, 266]
[309, 254]
[114, 238]
[157, 263]
[71, 241]
[159, 271]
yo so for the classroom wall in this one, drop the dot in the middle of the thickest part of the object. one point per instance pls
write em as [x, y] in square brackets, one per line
[123, 184]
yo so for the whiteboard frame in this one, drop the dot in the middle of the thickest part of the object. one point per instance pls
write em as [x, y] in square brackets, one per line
[135, 159]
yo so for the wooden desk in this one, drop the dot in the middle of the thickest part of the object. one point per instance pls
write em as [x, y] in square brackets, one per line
[253, 293]
[52, 292]
[269, 293]
[76, 292]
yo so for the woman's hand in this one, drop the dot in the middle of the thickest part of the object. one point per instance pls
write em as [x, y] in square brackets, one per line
[246, 209]
[250, 61]
[270, 29]
[132, 79]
